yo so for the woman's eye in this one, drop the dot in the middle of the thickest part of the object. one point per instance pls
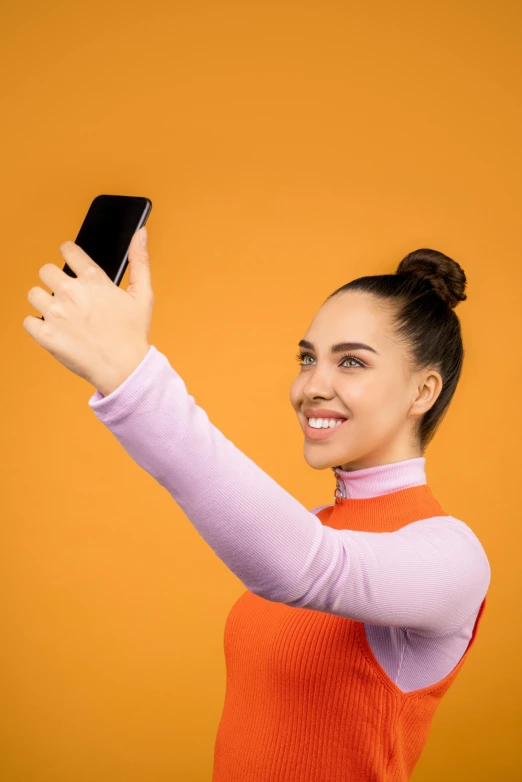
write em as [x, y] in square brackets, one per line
[301, 358]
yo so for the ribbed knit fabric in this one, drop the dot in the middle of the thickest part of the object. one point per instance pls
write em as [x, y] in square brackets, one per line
[357, 615]
[306, 700]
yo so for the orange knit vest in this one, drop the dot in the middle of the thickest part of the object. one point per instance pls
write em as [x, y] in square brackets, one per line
[306, 699]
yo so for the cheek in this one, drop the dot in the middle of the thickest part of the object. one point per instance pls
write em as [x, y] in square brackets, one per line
[365, 392]
[375, 398]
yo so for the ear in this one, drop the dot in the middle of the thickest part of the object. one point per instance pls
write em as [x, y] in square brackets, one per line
[428, 387]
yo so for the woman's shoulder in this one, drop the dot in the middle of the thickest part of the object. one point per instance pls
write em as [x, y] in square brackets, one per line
[451, 523]
[449, 531]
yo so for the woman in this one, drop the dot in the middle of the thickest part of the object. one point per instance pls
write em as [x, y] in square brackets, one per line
[358, 615]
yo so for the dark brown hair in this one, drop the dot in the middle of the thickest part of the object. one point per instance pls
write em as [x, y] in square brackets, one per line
[424, 290]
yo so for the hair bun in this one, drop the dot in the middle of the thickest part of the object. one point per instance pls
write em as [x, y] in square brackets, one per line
[445, 275]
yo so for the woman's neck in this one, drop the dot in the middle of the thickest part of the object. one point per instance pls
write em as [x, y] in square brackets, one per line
[383, 479]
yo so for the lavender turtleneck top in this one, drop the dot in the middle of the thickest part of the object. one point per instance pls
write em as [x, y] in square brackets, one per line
[417, 590]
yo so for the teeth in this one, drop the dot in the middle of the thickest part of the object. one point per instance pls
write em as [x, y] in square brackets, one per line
[324, 423]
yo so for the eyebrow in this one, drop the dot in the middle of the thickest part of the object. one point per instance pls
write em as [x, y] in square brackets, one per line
[339, 347]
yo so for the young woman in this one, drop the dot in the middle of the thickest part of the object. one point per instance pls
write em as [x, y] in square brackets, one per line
[358, 615]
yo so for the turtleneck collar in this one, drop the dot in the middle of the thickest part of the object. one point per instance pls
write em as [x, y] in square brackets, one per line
[383, 479]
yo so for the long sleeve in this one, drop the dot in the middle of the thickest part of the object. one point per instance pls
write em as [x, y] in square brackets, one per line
[428, 576]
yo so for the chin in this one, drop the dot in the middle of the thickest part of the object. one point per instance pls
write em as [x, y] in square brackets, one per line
[323, 461]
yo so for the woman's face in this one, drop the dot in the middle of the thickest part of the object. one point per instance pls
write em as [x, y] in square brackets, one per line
[374, 390]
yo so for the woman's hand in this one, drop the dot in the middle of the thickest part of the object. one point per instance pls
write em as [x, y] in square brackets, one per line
[94, 328]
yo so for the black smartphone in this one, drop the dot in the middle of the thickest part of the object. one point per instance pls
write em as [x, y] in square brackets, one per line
[107, 231]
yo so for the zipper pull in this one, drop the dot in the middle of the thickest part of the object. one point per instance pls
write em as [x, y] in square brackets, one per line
[340, 489]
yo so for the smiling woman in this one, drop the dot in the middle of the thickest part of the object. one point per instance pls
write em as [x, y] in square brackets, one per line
[400, 374]
[357, 616]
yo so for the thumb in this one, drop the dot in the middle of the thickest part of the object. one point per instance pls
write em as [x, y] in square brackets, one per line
[139, 265]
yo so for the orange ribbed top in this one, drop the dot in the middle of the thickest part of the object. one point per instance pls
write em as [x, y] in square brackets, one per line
[306, 699]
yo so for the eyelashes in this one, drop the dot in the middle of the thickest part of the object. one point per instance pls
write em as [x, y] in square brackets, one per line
[300, 357]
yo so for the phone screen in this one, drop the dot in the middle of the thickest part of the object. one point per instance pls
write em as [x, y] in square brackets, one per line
[107, 231]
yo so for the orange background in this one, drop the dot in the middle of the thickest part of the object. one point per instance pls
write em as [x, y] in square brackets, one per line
[287, 149]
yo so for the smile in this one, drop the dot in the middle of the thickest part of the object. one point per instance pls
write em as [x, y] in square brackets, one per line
[322, 433]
